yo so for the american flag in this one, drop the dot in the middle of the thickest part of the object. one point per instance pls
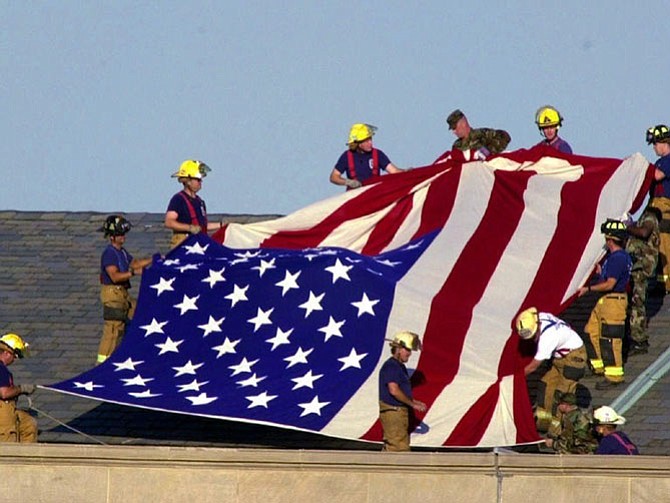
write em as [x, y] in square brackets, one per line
[287, 323]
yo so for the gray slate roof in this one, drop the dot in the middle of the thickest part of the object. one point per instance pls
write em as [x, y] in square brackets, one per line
[49, 293]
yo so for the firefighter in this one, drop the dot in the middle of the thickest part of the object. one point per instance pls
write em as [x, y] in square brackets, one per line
[611, 441]
[187, 213]
[659, 137]
[556, 342]
[16, 425]
[361, 161]
[606, 325]
[117, 266]
[549, 121]
[395, 392]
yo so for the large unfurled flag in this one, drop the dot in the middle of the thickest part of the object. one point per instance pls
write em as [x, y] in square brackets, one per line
[286, 324]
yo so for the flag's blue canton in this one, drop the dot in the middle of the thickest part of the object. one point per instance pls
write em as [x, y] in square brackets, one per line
[275, 336]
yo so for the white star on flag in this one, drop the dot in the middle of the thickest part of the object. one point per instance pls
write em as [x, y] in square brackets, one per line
[211, 326]
[138, 380]
[289, 282]
[313, 407]
[251, 381]
[129, 364]
[163, 285]
[244, 366]
[145, 394]
[261, 318]
[169, 346]
[189, 368]
[239, 293]
[228, 346]
[187, 304]
[154, 327]
[389, 262]
[188, 267]
[196, 249]
[353, 359]
[339, 270]
[280, 338]
[194, 385]
[214, 277]
[261, 400]
[201, 399]
[171, 261]
[305, 381]
[88, 386]
[265, 265]
[332, 329]
[300, 356]
[365, 305]
[312, 304]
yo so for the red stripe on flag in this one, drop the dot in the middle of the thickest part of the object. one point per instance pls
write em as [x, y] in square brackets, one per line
[385, 229]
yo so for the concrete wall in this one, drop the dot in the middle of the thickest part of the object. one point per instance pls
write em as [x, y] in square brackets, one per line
[123, 474]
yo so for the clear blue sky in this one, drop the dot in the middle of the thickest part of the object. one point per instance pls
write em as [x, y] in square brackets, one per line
[102, 100]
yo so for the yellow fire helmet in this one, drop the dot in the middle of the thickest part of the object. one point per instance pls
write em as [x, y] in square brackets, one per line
[361, 132]
[406, 339]
[15, 344]
[192, 169]
[527, 323]
[548, 116]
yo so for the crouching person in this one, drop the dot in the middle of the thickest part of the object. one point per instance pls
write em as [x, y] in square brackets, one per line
[395, 393]
[16, 425]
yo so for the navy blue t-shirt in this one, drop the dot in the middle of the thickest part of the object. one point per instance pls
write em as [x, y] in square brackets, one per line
[362, 164]
[617, 265]
[111, 256]
[662, 188]
[6, 377]
[617, 443]
[393, 371]
[178, 205]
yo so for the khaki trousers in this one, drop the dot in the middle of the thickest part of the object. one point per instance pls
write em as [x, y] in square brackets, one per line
[606, 328]
[663, 204]
[16, 425]
[118, 308]
[395, 424]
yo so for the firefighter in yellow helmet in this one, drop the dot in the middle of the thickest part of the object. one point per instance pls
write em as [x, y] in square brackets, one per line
[187, 213]
[117, 266]
[659, 137]
[16, 425]
[395, 392]
[361, 161]
[606, 325]
[549, 121]
[558, 343]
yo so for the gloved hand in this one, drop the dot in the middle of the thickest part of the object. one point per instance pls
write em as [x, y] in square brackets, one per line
[194, 229]
[27, 389]
[352, 184]
[482, 154]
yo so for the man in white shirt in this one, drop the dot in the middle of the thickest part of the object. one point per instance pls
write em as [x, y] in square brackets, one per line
[556, 342]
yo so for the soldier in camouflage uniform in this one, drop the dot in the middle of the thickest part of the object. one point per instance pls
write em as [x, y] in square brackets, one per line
[643, 248]
[575, 433]
[484, 141]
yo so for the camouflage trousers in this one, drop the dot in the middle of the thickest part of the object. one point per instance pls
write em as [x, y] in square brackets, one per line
[395, 425]
[637, 310]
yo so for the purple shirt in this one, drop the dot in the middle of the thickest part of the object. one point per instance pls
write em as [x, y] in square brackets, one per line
[617, 443]
[559, 144]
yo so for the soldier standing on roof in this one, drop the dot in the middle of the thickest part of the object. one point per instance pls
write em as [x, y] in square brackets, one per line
[395, 392]
[642, 246]
[606, 326]
[361, 161]
[549, 121]
[484, 141]
[659, 137]
[186, 213]
[16, 425]
[557, 342]
[117, 266]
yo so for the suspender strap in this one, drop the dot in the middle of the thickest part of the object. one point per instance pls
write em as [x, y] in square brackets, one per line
[352, 165]
[375, 162]
[191, 212]
[627, 446]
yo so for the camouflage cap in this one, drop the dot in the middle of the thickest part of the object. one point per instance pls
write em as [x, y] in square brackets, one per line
[454, 117]
[569, 398]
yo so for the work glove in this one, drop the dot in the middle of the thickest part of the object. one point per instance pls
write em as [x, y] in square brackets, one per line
[27, 389]
[482, 154]
[352, 184]
[194, 229]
